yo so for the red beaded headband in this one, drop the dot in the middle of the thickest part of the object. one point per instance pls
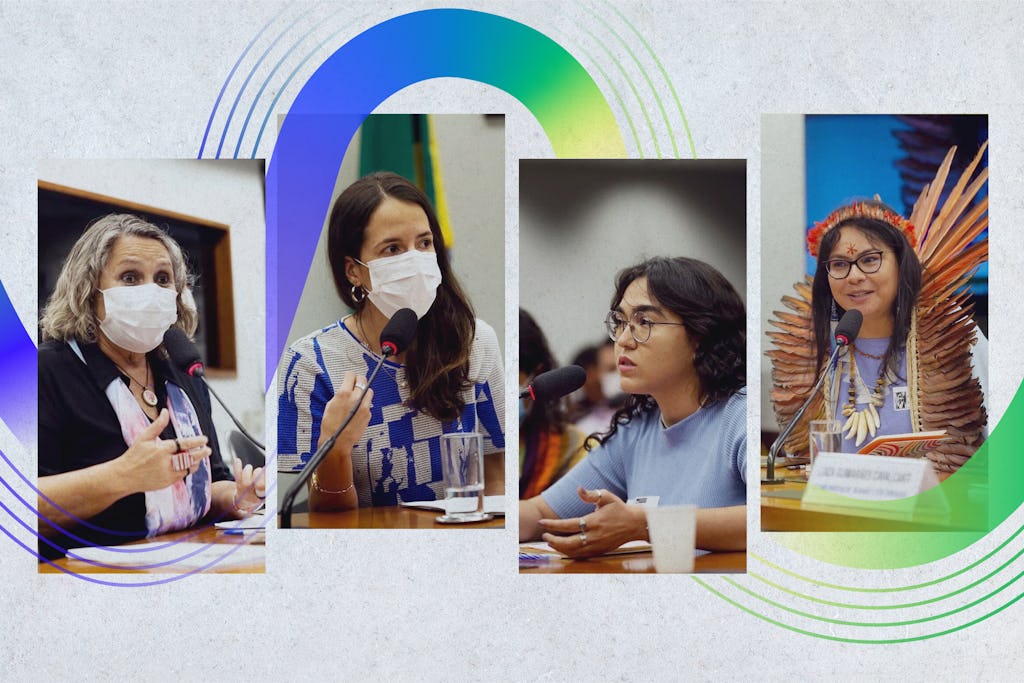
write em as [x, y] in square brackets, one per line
[858, 210]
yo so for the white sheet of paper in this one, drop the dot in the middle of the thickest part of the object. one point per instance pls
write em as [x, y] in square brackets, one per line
[256, 521]
[628, 547]
[495, 505]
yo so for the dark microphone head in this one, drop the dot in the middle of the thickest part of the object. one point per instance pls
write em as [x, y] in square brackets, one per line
[399, 332]
[848, 327]
[554, 384]
[183, 352]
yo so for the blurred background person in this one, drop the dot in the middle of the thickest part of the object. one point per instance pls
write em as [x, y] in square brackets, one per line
[549, 445]
[594, 404]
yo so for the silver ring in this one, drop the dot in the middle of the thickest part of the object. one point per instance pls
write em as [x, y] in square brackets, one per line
[583, 538]
[600, 492]
[360, 386]
[583, 524]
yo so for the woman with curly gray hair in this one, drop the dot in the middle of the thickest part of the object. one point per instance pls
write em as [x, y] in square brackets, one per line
[127, 447]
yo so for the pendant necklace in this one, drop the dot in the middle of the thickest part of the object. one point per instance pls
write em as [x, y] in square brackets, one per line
[148, 395]
[861, 423]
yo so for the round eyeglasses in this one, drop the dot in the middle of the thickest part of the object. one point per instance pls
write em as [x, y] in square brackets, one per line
[639, 326]
[867, 263]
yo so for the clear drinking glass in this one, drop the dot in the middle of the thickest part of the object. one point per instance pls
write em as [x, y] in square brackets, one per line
[462, 464]
[826, 437]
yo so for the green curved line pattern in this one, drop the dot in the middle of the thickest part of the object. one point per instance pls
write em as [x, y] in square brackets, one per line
[857, 589]
[962, 589]
[664, 74]
[618, 99]
[632, 87]
[858, 641]
[909, 622]
[657, 98]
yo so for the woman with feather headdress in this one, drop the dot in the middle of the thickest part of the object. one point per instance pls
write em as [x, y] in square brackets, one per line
[911, 368]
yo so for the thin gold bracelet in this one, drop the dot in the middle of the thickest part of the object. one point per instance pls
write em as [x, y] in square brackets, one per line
[315, 481]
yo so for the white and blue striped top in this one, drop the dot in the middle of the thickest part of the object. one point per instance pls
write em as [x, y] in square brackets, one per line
[399, 456]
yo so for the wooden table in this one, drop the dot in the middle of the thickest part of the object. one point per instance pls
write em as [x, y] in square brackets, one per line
[782, 510]
[639, 563]
[205, 535]
[388, 517]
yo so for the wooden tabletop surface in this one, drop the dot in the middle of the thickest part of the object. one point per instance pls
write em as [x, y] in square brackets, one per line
[388, 517]
[208, 534]
[638, 563]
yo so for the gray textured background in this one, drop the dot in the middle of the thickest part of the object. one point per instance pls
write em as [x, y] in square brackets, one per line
[89, 80]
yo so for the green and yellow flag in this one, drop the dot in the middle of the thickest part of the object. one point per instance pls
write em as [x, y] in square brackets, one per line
[405, 144]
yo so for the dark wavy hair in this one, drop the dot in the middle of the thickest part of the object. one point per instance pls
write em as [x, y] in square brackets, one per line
[714, 317]
[535, 357]
[437, 362]
[908, 287]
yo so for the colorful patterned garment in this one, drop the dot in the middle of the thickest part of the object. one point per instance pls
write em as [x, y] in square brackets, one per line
[398, 457]
[187, 500]
[545, 457]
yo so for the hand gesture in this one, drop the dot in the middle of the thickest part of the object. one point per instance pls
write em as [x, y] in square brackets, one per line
[339, 407]
[609, 526]
[250, 487]
[149, 463]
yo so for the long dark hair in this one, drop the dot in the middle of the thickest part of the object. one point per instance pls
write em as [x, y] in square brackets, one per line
[908, 286]
[714, 317]
[437, 362]
[535, 357]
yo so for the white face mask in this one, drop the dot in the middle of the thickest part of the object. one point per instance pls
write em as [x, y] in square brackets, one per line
[137, 316]
[610, 385]
[409, 280]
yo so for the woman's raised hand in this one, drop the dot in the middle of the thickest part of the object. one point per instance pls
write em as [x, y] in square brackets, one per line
[609, 526]
[149, 463]
[341, 405]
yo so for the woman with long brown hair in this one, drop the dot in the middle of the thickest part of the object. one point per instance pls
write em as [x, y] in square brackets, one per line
[386, 252]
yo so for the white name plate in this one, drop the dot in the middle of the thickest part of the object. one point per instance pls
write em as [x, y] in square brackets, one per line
[866, 479]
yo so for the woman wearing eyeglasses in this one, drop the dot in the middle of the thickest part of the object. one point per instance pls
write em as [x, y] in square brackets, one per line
[910, 367]
[679, 329]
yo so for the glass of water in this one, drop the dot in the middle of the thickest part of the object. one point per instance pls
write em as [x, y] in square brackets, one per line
[462, 464]
[826, 437]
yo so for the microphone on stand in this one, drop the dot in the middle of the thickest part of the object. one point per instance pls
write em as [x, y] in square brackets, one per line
[185, 356]
[394, 339]
[554, 384]
[845, 334]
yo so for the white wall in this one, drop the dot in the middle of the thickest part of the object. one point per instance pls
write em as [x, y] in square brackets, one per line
[783, 217]
[581, 221]
[224, 191]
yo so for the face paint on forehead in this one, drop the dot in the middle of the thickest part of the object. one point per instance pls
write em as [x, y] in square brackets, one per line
[850, 249]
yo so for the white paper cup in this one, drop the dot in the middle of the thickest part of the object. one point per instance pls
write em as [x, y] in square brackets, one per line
[673, 533]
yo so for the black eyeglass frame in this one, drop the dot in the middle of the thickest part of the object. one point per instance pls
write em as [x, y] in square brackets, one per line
[614, 321]
[855, 262]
